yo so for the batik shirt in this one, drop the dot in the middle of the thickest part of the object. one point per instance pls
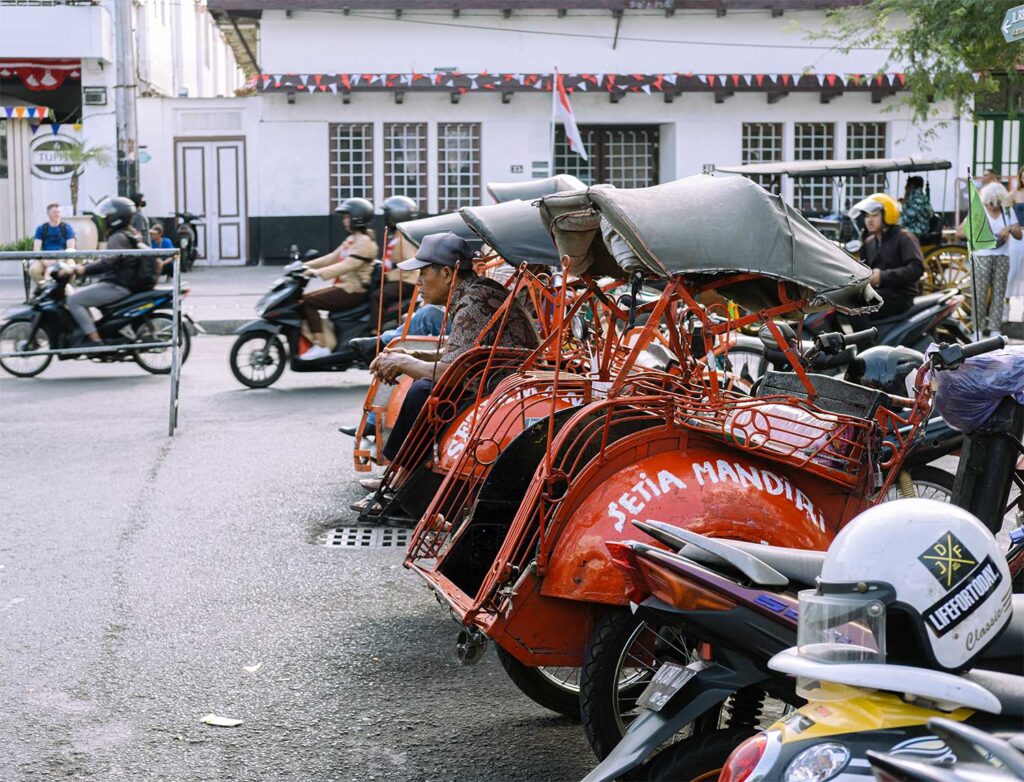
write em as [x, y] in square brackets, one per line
[917, 213]
[474, 302]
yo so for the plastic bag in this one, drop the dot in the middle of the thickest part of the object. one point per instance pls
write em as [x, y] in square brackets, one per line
[966, 397]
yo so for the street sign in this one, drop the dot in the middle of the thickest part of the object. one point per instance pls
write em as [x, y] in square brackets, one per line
[1013, 24]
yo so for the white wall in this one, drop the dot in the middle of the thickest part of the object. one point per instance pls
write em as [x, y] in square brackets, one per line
[697, 41]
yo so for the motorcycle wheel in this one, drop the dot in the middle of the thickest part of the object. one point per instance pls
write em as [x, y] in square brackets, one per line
[253, 370]
[186, 255]
[12, 339]
[623, 655]
[697, 759]
[159, 327]
[930, 483]
[553, 688]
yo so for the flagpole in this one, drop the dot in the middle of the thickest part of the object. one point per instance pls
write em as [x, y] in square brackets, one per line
[554, 97]
[975, 308]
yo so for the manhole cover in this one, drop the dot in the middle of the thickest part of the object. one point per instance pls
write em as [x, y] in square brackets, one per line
[365, 537]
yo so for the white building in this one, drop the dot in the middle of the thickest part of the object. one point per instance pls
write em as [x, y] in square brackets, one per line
[58, 58]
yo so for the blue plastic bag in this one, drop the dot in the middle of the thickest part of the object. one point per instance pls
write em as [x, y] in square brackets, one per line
[966, 397]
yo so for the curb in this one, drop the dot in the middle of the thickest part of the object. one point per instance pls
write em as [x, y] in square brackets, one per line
[221, 328]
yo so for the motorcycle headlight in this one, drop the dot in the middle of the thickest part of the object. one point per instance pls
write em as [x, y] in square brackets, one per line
[818, 763]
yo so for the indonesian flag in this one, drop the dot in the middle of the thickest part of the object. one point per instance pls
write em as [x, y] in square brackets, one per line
[561, 110]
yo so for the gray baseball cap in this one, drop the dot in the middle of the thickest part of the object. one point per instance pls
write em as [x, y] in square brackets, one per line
[445, 249]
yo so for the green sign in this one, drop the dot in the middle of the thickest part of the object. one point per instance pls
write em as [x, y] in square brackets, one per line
[1013, 24]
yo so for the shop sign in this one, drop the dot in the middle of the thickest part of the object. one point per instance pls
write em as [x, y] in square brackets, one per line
[47, 159]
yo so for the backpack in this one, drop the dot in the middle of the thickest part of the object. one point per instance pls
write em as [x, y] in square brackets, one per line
[141, 273]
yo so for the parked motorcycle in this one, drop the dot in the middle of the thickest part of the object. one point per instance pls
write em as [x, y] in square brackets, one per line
[44, 323]
[186, 239]
[274, 340]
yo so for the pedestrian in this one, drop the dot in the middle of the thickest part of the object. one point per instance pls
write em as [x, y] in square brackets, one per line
[157, 240]
[992, 265]
[139, 221]
[52, 235]
[916, 215]
[1015, 277]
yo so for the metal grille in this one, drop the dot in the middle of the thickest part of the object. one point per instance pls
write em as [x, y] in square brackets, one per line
[405, 160]
[813, 141]
[762, 143]
[365, 537]
[351, 175]
[458, 165]
[864, 140]
[625, 156]
[997, 145]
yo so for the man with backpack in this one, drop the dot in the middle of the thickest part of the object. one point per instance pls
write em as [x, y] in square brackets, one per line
[118, 277]
[54, 234]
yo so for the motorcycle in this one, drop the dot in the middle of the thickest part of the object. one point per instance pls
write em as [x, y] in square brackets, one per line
[259, 356]
[186, 239]
[44, 323]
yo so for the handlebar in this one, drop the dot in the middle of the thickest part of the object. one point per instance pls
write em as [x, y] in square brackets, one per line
[952, 356]
[861, 339]
[984, 346]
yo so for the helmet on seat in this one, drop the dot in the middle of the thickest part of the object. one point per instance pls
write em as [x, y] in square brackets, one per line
[113, 214]
[359, 211]
[888, 206]
[398, 209]
[886, 368]
[912, 581]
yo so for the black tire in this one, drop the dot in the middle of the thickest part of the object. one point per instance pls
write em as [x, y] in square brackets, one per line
[541, 689]
[697, 759]
[274, 345]
[930, 483]
[186, 259]
[158, 327]
[11, 334]
[606, 702]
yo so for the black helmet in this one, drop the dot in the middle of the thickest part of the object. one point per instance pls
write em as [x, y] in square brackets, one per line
[359, 211]
[113, 214]
[885, 368]
[398, 209]
[139, 199]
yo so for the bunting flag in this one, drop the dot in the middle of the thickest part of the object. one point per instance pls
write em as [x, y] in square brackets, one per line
[41, 75]
[25, 112]
[561, 111]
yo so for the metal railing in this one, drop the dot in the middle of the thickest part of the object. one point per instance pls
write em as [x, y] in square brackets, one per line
[65, 255]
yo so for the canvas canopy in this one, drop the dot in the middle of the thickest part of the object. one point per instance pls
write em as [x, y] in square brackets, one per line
[515, 230]
[704, 227]
[533, 188]
[415, 230]
[798, 169]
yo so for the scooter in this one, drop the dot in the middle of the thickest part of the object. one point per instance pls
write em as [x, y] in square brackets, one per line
[259, 355]
[187, 240]
[44, 323]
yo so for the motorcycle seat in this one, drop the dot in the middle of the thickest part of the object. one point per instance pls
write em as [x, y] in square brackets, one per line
[799, 565]
[920, 303]
[136, 298]
[1007, 688]
[1010, 643]
[352, 313]
[833, 394]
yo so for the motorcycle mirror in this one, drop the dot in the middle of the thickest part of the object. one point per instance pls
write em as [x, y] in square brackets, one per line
[310, 255]
[854, 246]
[768, 339]
[294, 266]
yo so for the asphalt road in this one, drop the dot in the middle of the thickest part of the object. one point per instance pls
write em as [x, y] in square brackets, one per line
[140, 575]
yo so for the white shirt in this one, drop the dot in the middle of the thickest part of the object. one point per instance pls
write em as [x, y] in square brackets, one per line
[997, 224]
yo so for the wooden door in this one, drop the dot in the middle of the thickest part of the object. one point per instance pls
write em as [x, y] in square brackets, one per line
[210, 180]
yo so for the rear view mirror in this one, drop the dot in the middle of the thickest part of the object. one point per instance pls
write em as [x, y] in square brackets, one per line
[768, 339]
[854, 246]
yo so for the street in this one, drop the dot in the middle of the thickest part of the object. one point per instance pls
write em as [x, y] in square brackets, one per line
[147, 581]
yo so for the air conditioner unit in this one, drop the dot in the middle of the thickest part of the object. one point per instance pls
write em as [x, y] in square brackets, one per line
[94, 96]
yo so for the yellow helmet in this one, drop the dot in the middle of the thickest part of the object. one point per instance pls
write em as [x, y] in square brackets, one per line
[878, 202]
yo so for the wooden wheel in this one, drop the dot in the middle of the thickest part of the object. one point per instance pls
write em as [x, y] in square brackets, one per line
[949, 266]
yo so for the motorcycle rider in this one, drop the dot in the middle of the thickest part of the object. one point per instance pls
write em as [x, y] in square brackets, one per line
[119, 277]
[892, 252]
[349, 265]
[397, 209]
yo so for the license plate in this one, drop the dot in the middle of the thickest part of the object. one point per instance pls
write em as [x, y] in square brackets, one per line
[669, 679]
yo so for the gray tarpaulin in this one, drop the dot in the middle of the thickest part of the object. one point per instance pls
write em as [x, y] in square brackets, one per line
[705, 227]
[515, 230]
[533, 188]
[415, 230]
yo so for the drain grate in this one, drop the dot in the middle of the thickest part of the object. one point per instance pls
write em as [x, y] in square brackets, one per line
[366, 537]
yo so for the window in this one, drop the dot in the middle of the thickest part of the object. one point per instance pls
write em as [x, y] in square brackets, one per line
[351, 161]
[3, 149]
[813, 141]
[864, 140]
[998, 144]
[625, 156]
[405, 160]
[762, 143]
[458, 165]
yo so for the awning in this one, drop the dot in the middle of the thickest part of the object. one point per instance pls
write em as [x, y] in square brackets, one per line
[41, 75]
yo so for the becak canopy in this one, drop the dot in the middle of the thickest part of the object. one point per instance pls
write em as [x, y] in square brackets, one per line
[415, 230]
[533, 188]
[515, 230]
[704, 227]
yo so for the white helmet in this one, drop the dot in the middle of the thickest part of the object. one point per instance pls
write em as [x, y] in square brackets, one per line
[912, 582]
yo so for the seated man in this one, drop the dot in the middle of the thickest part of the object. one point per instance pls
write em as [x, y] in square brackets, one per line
[445, 264]
[917, 209]
[894, 255]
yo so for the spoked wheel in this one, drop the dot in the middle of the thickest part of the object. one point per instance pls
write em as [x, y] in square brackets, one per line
[928, 483]
[557, 689]
[258, 359]
[14, 338]
[159, 327]
[697, 759]
[949, 266]
[623, 655]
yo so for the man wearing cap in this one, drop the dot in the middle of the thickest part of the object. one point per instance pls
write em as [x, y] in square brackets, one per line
[445, 263]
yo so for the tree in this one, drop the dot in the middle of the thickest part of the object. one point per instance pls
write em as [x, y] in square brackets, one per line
[949, 50]
[79, 156]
